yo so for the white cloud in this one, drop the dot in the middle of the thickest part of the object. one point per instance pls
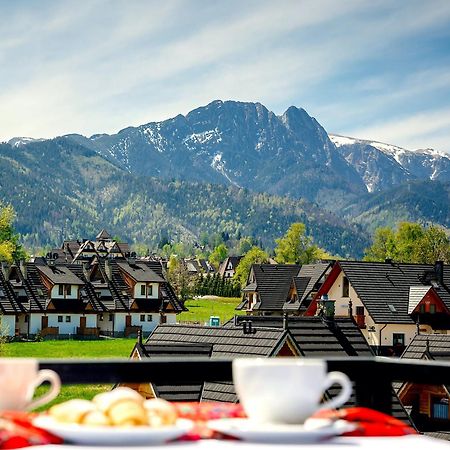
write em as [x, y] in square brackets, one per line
[100, 65]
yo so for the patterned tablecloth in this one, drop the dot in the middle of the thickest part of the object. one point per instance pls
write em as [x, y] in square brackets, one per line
[16, 430]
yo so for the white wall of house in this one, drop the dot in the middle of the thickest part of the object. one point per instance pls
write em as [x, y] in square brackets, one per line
[7, 325]
[154, 290]
[73, 292]
[372, 337]
[151, 320]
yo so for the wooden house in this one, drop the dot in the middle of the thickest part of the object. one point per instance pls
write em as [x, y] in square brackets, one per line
[389, 301]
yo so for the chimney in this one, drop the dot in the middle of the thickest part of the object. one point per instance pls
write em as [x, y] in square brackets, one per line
[23, 268]
[285, 321]
[439, 271]
[108, 269]
[139, 336]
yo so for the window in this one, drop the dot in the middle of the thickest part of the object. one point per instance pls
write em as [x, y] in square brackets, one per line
[142, 317]
[422, 308]
[398, 339]
[61, 289]
[440, 409]
[345, 287]
[68, 289]
[111, 317]
[149, 317]
[360, 310]
[68, 319]
[60, 318]
[149, 290]
[143, 290]
[432, 309]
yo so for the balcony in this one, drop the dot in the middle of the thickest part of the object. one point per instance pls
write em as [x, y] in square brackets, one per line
[372, 377]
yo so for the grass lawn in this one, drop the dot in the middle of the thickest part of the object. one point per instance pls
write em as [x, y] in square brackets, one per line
[111, 348]
[200, 309]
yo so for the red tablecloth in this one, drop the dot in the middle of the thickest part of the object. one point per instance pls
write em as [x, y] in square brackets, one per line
[16, 430]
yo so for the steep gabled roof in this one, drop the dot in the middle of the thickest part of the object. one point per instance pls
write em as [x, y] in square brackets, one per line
[384, 287]
[273, 282]
[103, 235]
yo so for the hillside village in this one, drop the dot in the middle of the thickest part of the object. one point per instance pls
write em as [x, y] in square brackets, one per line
[92, 289]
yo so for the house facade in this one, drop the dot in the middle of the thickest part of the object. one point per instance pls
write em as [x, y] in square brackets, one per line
[109, 296]
[277, 289]
[390, 302]
[228, 267]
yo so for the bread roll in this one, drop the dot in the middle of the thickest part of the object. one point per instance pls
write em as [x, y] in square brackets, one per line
[160, 412]
[72, 411]
[96, 418]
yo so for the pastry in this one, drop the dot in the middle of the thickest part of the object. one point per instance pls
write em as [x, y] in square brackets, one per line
[123, 406]
[72, 411]
[96, 418]
[160, 412]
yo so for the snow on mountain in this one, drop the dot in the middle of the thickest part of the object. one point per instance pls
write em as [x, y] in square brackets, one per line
[397, 165]
[20, 141]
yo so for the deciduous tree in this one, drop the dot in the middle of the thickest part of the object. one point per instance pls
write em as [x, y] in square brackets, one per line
[295, 247]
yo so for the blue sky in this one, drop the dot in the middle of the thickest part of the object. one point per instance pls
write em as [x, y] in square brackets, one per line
[377, 69]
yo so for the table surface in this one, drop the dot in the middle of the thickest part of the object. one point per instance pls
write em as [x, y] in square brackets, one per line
[411, 442]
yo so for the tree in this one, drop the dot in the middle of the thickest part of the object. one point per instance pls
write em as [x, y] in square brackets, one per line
[433, 246]
[254, 256]
[179, 278]
[383, 246]
[295, 247]
[410, 243]
[10, 249]
[218, 255]
[245, 244]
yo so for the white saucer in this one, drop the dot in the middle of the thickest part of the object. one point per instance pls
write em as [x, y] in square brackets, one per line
[312, 431]
[117, 436]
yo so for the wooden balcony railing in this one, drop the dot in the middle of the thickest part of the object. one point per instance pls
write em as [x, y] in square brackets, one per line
[372, 377]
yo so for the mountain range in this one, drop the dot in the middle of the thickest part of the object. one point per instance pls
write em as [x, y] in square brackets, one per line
[219, 153]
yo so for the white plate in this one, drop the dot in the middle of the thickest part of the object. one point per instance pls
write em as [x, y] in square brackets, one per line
[97, 435]
[312, 431]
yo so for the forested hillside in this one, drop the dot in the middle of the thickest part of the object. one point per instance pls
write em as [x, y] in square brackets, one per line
[61, 190]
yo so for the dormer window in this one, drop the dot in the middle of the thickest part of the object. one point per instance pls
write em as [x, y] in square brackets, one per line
[143, 290]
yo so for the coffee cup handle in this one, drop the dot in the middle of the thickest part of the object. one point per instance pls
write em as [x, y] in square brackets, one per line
[346, 390]
[55, 386]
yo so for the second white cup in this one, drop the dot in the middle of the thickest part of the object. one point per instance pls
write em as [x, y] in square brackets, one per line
[286, 390]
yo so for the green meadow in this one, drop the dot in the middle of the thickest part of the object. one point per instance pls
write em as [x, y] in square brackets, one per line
[199, 311]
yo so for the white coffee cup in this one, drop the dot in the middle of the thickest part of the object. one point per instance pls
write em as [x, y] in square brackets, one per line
[286, 390]
[19, 377]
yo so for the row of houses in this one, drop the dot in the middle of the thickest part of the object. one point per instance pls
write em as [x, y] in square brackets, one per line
[85, 289]
[390, 302]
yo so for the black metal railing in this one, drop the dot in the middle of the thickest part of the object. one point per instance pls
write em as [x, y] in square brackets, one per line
[372, 377]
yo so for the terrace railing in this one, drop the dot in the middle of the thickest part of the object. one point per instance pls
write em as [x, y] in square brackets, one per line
[372, 377]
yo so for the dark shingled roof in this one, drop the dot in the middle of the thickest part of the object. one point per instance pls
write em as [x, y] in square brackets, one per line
[225, 343]
[60, 274]
[434, 346]
[187, 392]
[273, 282]
[140, 272]
[379, 285]
[316, 337]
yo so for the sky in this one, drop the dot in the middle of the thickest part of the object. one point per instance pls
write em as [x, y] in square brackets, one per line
[375, 69]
